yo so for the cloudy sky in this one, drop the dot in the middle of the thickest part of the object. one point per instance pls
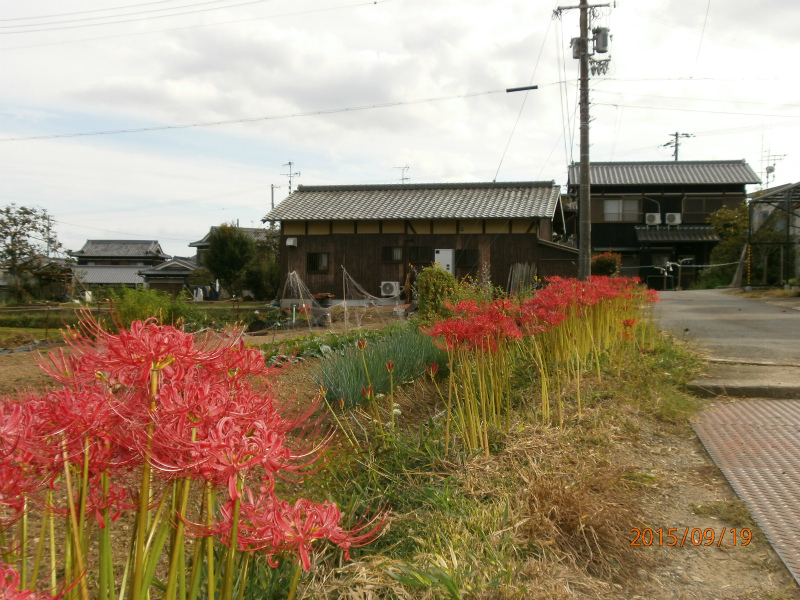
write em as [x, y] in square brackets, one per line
[423, 80]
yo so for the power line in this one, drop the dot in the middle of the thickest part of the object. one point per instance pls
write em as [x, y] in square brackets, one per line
[83, 12]
[524, 100]
[141, 12]
[702, 34]
[252, 119]
[716, 112]
[191, 12]
[229, 22]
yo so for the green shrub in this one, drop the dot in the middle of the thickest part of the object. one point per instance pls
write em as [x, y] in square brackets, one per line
[434, 287]
[141, 304]
[607, 264]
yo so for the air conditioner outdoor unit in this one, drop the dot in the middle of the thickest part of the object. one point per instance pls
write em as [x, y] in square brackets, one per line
[653, 218]
[674, 218]
[390, 288]
[291, 241]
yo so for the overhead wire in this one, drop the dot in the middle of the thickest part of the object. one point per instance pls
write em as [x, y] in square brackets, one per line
[524, 100]
[93, 10]
[197, 26]
[143, 12]
[191, 12]
[251, 119]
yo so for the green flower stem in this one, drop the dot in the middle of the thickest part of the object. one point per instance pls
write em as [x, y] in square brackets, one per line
[39, 552]
[106, 591]
[52, 527]
[23, 543]
[211, 576]
[226, 593]
[197, 567]
[295, 580]
[177, 546]
[243, 578]
[144, 500]
[81, 571]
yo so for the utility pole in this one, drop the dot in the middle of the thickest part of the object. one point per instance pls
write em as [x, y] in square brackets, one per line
[676, 142]
[581, 51]
[291, 174]
[273, 187]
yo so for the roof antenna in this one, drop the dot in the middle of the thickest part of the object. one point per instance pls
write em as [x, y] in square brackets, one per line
[403, 171]
[291, 174]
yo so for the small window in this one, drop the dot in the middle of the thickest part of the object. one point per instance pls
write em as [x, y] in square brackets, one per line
[467, 257]
[392, 254]
[317, 262]
[419, 254]
[621, 211]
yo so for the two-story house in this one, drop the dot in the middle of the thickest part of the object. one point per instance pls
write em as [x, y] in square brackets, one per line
[655, 214]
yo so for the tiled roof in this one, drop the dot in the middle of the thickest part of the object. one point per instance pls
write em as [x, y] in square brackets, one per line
[683, 233]
[254, 232]
[174, 266]
[108, 274]
[120, 248]
[518, 200]
[667, 173]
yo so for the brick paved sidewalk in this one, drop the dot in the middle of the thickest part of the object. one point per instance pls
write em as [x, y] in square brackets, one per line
[756, 444]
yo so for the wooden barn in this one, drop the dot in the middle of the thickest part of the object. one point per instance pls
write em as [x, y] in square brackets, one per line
[379, 233]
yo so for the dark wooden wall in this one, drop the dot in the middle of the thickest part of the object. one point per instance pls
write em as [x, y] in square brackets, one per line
[361, 255]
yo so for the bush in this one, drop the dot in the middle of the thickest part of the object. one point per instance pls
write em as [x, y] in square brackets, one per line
[141, 304]
[434, 287]
[606, 264]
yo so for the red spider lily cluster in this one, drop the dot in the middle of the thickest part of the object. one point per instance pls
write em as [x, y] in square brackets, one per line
[486, 326]
[558, 329]
[151, 407]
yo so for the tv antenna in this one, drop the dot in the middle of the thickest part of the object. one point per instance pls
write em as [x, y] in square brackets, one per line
[403, 171]
[769, 170]
[291, 174]
[675, 143]
[272, 188]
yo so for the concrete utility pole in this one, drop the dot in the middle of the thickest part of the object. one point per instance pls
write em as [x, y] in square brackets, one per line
[584, 202]
[676, 142]
[582, 51]
[273, 187]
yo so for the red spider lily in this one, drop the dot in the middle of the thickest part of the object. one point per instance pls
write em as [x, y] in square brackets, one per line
[361, 344]
[366, 391]
[432, 369]
[390, 366]
[628, 323]
[9, 587]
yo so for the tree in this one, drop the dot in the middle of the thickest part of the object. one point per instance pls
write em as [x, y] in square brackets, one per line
[230, 252]
[26, 241]
[263, 275]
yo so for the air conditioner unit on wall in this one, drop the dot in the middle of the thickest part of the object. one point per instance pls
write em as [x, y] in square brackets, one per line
[390, 288]
[653, 218]
[674, 219]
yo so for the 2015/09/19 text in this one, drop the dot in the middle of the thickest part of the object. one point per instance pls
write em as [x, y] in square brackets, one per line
[696, 536]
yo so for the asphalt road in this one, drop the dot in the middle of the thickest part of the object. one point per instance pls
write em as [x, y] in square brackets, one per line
[729, 326]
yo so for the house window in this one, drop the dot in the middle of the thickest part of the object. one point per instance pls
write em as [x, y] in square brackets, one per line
[419, 254]
[621, 211]
[392, 254]
[467, 257]
[317, 262]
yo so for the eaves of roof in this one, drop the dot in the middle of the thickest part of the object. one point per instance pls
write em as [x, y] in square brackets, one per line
[682, 233]
[517, 200]
[719, 172]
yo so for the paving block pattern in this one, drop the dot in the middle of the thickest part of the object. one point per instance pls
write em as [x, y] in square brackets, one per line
[756, 444]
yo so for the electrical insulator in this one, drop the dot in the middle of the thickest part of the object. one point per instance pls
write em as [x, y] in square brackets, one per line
[600, 39]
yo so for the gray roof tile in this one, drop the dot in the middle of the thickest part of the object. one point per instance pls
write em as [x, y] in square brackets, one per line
[683, 233]
[518, 200]
[667, 173]
[121, 248]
